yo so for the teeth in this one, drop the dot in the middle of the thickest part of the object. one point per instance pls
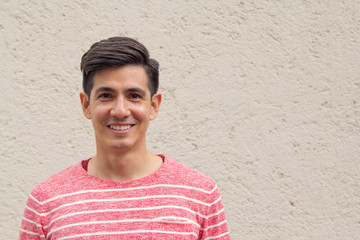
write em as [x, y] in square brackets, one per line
[120, 127]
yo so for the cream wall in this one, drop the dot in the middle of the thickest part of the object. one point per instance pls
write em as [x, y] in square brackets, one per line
[262, 96]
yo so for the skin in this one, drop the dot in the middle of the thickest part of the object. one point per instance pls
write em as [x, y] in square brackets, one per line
[121, 98]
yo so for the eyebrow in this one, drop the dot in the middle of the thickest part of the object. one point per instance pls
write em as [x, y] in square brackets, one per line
[104, 89]
[107, 89]
[137, 90]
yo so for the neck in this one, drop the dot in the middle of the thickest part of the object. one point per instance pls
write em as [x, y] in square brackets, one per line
[124, 166]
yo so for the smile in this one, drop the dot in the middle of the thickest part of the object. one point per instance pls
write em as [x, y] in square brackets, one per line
[120, 127]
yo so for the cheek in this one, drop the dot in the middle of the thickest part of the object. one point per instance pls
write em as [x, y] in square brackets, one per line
[99, 112]
[141, 111]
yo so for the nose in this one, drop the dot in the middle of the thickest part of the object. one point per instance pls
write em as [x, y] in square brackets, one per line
[120, 108]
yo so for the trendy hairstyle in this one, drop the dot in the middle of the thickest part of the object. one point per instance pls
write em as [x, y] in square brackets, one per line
[117, 52]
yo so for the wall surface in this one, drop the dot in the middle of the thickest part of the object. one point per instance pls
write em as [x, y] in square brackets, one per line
[262, 96]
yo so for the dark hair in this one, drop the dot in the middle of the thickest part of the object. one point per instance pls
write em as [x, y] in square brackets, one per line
[117, 52]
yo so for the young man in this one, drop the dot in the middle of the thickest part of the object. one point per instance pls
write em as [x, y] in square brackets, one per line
[124, 191]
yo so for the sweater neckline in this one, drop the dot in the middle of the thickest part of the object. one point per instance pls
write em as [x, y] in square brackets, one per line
[150, 177]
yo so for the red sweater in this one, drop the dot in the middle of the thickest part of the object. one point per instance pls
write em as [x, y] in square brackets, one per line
[175, 202]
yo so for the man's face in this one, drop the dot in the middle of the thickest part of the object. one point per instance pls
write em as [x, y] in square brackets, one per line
[120, 108]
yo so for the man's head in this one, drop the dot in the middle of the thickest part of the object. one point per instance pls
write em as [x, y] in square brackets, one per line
[120, 93]
[118, 52]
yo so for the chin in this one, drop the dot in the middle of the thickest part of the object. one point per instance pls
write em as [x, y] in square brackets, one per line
[120, 147]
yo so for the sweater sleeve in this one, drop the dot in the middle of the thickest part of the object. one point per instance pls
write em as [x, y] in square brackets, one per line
[31, 225]
[215, 226]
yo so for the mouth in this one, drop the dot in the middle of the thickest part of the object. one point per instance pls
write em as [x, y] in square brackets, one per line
[120, 127]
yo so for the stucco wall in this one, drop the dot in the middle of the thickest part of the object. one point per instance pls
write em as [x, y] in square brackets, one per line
[262, 96]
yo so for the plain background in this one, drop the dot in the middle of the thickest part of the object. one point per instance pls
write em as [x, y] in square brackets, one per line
[262, 96]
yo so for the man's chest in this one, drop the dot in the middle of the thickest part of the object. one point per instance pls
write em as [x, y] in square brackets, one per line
[119, 216]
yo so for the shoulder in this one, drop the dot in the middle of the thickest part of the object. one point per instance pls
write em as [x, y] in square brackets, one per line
[57, 184]
[181, 174]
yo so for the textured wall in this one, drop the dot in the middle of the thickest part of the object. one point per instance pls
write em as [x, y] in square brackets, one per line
[261, 96]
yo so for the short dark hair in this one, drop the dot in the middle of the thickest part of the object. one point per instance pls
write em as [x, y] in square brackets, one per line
[117, 52]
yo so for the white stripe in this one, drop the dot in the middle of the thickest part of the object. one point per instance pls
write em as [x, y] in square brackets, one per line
[216, 201]
[126, 199]
[32, 210]
[212, 226]
[217, 213]
[28, 232]
[130, 209]
[218, 236]
[33, 198]
[31, 233]
[28, 220]
[124, 189]
[175, 220]
[127, 232]
[213, 190]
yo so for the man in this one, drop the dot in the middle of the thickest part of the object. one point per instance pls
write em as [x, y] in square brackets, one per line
[124, 191]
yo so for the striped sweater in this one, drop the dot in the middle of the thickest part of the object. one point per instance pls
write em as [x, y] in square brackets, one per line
[175, 202]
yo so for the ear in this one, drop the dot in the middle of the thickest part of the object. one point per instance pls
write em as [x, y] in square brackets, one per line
[85, 104]
[155, 105]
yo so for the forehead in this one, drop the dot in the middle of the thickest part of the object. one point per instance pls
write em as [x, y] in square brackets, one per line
[128, 75]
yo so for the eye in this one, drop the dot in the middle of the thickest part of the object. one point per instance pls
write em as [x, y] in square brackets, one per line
[104, 96]
[135, 96]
